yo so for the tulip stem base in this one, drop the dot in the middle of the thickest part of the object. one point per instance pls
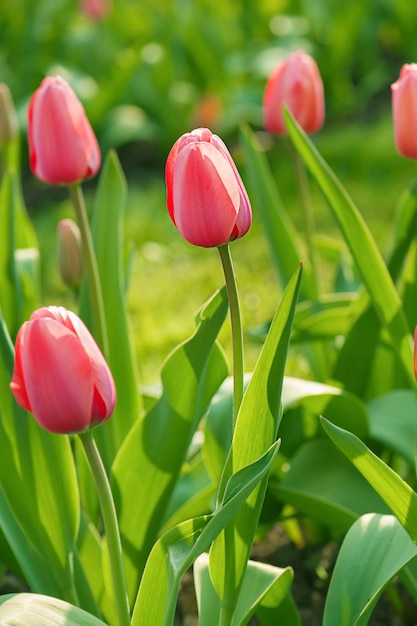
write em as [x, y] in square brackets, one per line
[111, 528]
[236, 324]
[93, 277]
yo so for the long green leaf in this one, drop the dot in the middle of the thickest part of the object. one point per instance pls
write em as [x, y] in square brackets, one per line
[395, 492]
[151, 457]
[29, 609]
[256, 428]
[363, 248]
[177, 549]
[284, 242]
[374, 550]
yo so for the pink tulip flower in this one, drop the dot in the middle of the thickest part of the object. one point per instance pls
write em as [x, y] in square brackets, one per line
[206, 198]
[295, 82]
[404, 110]
[95, 9]
[62, 146]
[60, 374]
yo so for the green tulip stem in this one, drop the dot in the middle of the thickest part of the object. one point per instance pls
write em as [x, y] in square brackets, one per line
[307, 212]
[236, 325]
[111, 527]
[93, 277]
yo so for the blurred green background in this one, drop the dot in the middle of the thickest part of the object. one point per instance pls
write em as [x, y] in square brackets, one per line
[153, 70]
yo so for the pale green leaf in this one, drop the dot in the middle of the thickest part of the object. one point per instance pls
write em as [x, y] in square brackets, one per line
[374, 550]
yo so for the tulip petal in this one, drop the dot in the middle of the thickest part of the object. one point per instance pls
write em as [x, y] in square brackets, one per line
[205, 195]
[58, 377]
[17, 385]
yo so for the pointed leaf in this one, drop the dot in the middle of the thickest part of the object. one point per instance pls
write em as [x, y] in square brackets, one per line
[177, 549]
[362, 246]
[256, 428]
[150, 459]
[396, 493]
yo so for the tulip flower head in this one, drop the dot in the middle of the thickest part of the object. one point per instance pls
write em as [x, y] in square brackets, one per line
[62, 146]
[404, 111]
[206, 198]
[60, 375]
[295, 82]
[95, 9]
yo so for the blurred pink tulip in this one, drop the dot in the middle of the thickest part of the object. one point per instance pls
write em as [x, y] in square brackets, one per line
[295, 82]
[60, 374]
[206, 198]
[404, 110]
[62, 146]
[95, 9]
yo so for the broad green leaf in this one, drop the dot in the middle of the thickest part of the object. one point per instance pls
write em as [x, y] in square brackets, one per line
[341, 407]
[374, 550]
[35, 569]
[256, 428]
[363, 248]
[392, 421]
[323, 322]
[150, 459]
[178, 548]
[29, 609]
[395, 492]
[38, 479]
[262, 584]
[284, 242]
[107, 232]
[312, 486]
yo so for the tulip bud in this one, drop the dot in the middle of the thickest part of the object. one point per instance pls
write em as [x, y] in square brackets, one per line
[59, 374]
[95, 9]
[404, 110]
[62, 146]
[70, 255]
[206, 198]
[9, 127]
[295, 82]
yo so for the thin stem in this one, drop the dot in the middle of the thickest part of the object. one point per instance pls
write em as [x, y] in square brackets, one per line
[111, 527]
[308, 215]
[236, 324]
[93, 277]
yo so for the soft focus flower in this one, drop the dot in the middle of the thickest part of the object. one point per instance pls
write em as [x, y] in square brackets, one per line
[70, 257]
[60, 374]
[95, 9]
[295, 82]
[9, 126]
[404, 111]
[62, 146]
[206, 198]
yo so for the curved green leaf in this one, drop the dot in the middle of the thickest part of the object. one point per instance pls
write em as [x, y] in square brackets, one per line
[256, 428]
[374, 550]
[263, 586]
[363, 248]
[29, 609]
[178, 548]
[395, 492]
[150, 459]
